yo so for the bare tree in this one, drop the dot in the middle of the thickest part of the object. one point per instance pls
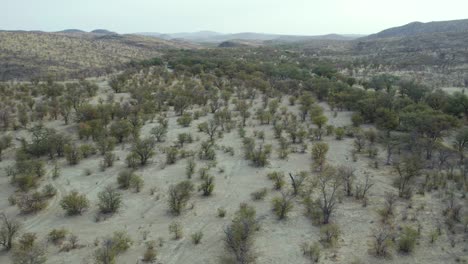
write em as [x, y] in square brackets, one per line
[382, 240]
[8, 231]
[363, 188]
[328, 185]
[347, 176]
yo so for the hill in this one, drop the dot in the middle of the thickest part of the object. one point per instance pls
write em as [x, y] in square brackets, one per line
[417, 28]
[102, 31]
[73, 54]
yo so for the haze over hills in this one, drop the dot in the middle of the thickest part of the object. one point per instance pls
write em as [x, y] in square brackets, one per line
[215, 37]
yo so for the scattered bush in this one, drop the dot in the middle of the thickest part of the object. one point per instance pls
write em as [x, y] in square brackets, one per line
[197, 237]
[259, 194]
[179, 195]
[311, 251]
[109, 200]
[282, 205]
[56, 236]
[329, 234]
[407, 240]
[176, 229]
[74, 203]
[277, 178]
[207, 186]
[150, 253]
[240, 234]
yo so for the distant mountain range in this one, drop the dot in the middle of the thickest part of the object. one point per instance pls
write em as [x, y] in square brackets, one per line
[74, 53]
[418, 28]
[215, 37]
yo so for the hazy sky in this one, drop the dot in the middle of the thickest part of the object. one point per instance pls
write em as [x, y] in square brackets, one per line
[307, 17]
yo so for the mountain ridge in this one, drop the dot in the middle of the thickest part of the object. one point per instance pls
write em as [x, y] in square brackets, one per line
[418, 28]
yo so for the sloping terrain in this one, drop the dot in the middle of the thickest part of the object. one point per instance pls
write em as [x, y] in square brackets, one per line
[25, 55]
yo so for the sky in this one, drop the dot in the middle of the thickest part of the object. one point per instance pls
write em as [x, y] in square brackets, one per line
[295, 17]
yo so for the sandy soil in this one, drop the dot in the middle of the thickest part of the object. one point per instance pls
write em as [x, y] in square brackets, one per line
[146, 215]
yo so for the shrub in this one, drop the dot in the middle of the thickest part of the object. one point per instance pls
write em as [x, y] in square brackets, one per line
[207, 186]
[175, 228]
[136, 183]
[108, 160]
[31, 203]
[339, 133]
[277, 178]
[185, 120]
[183, 138]
[179, 195]
[49, 191]
[221, 212]
[143, 149]
[57, 235]
[87, 150]
[329, 234]
[171, 155]
[190, 169]
[159, 133]
[109, 200]
[132, 160]
[259, 194]
[73, 154]
[357, 119]
[407, 240]
[240, 234]
[382, 241]
[27, 251]
[319, 155]
[150, 253]
[311, 251]
[207, 151]
[258, 155]
[125, 178]
[197, 237]
[74, 203]
[112, 247]
[282, 205]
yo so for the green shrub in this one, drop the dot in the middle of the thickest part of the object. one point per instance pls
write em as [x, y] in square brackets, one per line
[282, 205]
[259, 194]
[197, 237]
[329, 234]
[74, 203]
[179, 195]
[311, 251]
[176, 229]
[109, 200]
[185, 120]
[221, 212]
[57, 235]
[278, 179]
[207, 186]
[407, 240]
